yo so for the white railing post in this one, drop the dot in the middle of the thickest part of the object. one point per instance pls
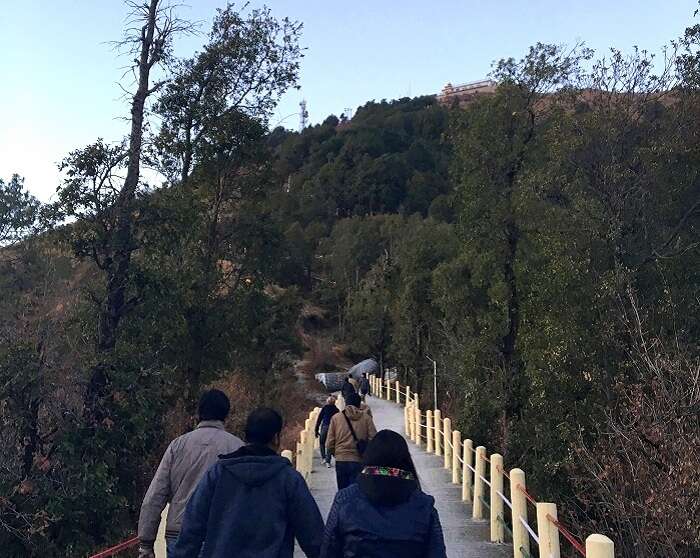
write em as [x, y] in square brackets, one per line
[307, 464]
[599, 546]
[429, 432]
[456, 452]
[447, 434]
[412, 422]
[408, 394]
[416, 422]
[160, 546]
[380, 388]
[466, 471]
[309, 436]
[310, 439]
[301, 466]
[297, 462]
[480, 467]
[437, 421]
[398, 392]
[495, 501]
[547, 532]
[521, 538]
[419, 427]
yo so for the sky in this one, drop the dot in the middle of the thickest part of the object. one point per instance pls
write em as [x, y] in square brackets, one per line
[60, 76]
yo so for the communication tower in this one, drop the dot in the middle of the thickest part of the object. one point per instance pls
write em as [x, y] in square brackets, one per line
[303, 115]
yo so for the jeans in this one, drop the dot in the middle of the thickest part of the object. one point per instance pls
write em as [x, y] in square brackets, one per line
[322, 443]
[346, 472]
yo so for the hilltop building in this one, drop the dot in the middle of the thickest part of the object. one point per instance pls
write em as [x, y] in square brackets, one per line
[465, 93]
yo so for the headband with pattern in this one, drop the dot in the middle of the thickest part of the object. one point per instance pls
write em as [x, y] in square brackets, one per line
[388, 472]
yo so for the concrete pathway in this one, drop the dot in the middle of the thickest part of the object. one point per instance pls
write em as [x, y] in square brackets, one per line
[464, 537]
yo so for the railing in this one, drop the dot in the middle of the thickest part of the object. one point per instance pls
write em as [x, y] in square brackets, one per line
[305, 446]
[468, 467]
[304, 464]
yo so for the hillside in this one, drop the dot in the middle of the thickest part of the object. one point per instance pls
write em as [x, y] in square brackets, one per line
[532, 251]
[541, 245]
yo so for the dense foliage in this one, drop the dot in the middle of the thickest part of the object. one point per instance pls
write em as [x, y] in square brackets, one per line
[134, 297]
[541, 243]
[531, 242]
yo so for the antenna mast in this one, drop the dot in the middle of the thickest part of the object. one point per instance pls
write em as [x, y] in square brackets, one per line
[303, 115]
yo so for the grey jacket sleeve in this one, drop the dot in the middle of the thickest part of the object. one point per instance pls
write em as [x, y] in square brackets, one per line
[157, 496]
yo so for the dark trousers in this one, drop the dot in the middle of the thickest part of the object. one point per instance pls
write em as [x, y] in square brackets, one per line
[322, 443]
[346, 473]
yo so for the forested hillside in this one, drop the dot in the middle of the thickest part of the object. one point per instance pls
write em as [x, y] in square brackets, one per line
[542, 244]
[121, 300]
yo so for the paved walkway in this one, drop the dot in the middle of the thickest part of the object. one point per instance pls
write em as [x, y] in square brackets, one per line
[464, 537]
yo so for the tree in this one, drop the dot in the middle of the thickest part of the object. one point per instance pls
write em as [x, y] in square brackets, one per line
[212, 144]
[368, 313]
[249, 62]
[18, 210]
[638, 477]
[105, 200]
[495, 140]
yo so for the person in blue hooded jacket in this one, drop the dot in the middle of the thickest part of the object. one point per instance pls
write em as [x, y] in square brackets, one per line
[385, 514]
[251, 503]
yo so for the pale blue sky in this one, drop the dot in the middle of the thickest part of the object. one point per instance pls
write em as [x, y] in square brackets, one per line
[59, 74]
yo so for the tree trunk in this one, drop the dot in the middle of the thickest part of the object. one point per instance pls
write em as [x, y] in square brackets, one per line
[511, 359]
[118, 265]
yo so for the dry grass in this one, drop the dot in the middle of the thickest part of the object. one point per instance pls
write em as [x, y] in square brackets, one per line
[294, 394]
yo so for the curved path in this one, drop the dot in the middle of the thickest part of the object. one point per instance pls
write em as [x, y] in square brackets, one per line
[464, 537]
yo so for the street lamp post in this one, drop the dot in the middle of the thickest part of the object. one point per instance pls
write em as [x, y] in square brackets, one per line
[434, 380]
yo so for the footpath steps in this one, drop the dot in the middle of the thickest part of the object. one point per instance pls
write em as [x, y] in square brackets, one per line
[464, 536]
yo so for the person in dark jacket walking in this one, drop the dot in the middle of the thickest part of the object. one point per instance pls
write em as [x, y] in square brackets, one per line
[385, 514]
[347, 389]
[251, 503]
[322, 424]
[364, 386]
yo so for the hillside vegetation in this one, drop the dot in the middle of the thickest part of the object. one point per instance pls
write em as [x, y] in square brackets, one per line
[542, 244]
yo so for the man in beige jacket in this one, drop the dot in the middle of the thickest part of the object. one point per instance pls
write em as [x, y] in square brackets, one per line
[346, 431]
[183, 465]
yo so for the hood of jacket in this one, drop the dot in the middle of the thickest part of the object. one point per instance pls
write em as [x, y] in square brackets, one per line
[353, 413]
[254, 465]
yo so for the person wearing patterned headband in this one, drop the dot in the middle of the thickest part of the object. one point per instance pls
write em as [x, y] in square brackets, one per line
[385, 514]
